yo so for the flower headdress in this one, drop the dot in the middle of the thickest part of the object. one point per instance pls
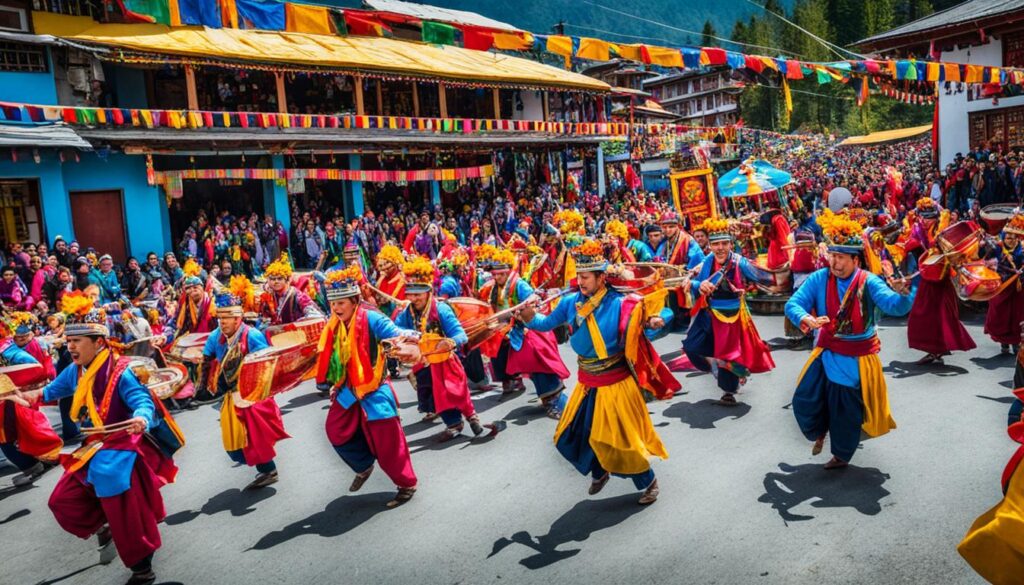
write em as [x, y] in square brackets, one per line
[280, 268]
[343, 283]
[589, 257]
[717, 229]
[569, 221]
[83, 318]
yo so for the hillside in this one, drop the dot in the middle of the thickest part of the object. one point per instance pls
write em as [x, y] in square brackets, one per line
[540, 15]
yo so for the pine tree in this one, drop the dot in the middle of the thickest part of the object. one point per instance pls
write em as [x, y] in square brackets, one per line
[708, 35]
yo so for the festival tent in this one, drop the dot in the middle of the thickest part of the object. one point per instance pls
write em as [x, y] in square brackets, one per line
[752, 177]
[876, 138]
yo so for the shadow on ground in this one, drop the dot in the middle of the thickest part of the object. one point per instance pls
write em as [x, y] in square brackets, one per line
[576, 525]
[237, 502]
[899, 370]
[705, 413]
[852, 487]
[339, 517]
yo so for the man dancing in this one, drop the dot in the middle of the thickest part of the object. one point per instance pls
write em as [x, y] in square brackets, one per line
[605, 428]
[440, 381]
[841, 391]
[250, 423]
[723, 329]
[522, 351]
[110, 486]
[362, 423]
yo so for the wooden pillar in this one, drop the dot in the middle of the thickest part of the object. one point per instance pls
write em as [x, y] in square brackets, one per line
[415, 99]
[380, 99]
[357, 85]
[497, 103]
[442, 98]
[545, 106]
[282, 99]
[190, 88]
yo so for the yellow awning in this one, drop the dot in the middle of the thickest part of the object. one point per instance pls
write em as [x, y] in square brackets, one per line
[370, 54]
[887, 136]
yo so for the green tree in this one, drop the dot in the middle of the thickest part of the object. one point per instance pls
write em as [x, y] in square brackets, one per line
[708, 35]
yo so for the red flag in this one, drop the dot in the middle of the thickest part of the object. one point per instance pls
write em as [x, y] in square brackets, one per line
[477, 38]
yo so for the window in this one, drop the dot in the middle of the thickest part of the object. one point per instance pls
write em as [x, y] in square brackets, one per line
[1013, 49]
[23, 57]
[12, 18]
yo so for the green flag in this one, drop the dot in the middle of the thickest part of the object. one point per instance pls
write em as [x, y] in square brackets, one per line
[438, 33]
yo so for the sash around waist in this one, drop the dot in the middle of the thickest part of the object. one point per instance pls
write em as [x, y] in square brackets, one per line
[597, 372]
[849, 347]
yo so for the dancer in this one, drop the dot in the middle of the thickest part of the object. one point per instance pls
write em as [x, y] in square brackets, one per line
[841, 391]
[250, 422]
[362, 422]
[605, 428]
[723, 329]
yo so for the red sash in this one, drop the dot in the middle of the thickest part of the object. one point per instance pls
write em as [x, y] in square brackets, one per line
[847, 316]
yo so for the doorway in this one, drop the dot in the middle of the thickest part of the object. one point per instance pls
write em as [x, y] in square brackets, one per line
[98, 219]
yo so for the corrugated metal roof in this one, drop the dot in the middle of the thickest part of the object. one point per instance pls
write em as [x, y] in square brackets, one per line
[959, 14]
[426, 12]
[57, 135]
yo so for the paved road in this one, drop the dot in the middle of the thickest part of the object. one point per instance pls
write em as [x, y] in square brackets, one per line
[742, 499]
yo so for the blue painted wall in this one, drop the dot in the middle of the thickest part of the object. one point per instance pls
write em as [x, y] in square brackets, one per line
[275, 196]
[354, 202]
[53, 199]
[144, 205]
[32, 88]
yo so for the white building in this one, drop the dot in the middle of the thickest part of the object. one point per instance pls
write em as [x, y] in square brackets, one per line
[700, 97]
[978, 32]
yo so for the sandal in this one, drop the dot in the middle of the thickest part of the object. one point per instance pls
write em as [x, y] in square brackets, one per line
[836, 463]
[449, 433]
[360, 479]
[818, 445]
[598, 484]
[728, 399]
[147, 577]
[429, 417]
[650, 494]
[403, 496]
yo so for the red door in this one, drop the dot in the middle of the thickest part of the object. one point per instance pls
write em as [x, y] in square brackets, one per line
[98, 219]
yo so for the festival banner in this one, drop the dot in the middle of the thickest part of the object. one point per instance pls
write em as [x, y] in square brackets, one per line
[693, 193]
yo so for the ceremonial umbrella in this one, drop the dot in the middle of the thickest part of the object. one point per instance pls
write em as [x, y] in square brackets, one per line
[752, 177]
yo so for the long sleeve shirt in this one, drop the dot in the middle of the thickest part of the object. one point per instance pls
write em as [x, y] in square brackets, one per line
[450, 326]
[377, 405]
[607, 316]
[842, 369]
[721, 299]
[109, 470]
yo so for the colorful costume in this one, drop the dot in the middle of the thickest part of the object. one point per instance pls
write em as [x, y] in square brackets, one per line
[723, 328]
[391, 281]
[680, 250]
[289, 306]
[25, 433]
[934, 325]
[1006, 310]
[605, 427]
[362, 424]
[841, 390]
[441, 384]
[250, 423]
[521, 350]
[453, 285]
[114, 479]
[993, 545]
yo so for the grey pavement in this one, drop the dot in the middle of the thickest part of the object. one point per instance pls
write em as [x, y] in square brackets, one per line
[742, 499]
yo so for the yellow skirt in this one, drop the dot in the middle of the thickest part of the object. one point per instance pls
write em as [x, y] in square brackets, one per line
[621, 433]
[994, 546]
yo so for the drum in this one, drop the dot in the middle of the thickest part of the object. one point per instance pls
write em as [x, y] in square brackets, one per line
[636, 279]
[273, 370]
[932, 266]
[995, 216]
[960, 241]
[429, 349]
[303, 331]
[781, 279]
[977, 282]
[188, 348]
[474, 315]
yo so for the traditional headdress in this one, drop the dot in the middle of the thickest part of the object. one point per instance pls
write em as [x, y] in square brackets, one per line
[280, 268]
[191, 268]
[617, 229]
[502, 259]
[419, 275]
[927, 208]
[240, 287]
[391, 253]
[343, 283]
[22, 323]
[83, 318]
[351, 249]
[569, 221]
[670, 217]
[485, 255]
[589, 257]
[841, 234]
[717, 230]
[229, 305]
[1015, 225]
[192, 281]
[453, 263]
